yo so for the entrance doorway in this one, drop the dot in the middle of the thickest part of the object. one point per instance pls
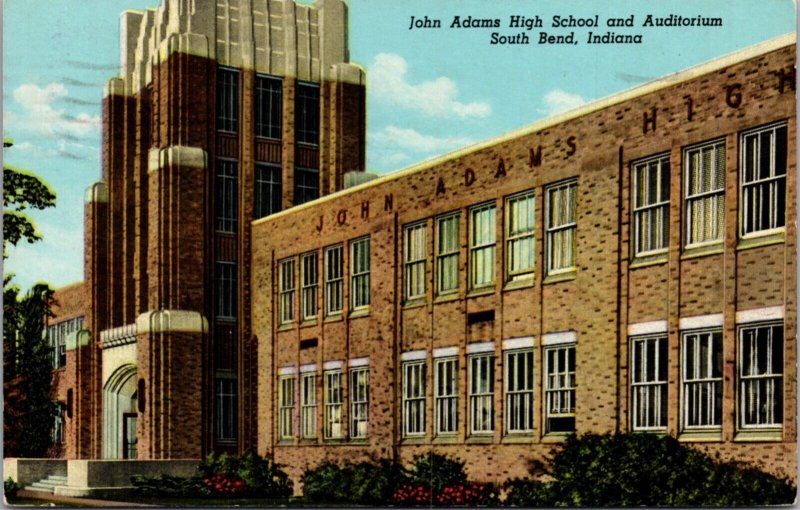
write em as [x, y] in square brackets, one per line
[119, 414]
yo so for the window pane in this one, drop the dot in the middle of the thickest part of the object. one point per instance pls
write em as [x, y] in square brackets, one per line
[268, 107]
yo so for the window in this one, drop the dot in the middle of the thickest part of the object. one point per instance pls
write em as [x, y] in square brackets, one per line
[481, 394]
[267, 192]
[306, 185]
[333, 404]
[308, 289]
[226, 195]
[227, 100]
[226, 290]
[763, 173]
[482, 245]
[651, 205]
[649, 383]
[359, 272]
[702, 380]
[359, 397]
[519, 236]
[333, 280]
[307, 113]
[58, 424]
[519, 391]
[447, 254]
[760, 396]
[286, 283]
[560, 389]
[705, 193]
[286, 407]
[268, 105]
[226, 409]
[308, 405]
[560, 206]
[57, 339]
[446, 395]
[415, 249]
[414, 398]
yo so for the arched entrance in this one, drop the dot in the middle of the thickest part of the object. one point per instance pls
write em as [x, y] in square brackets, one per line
[119, 414]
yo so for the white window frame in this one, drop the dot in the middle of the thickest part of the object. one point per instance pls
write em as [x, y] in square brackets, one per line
[482, 245]
[520, 215]
[767, 387]
[414, 398]
[415, 254]
[334, 279]
[286, 404]
[481, 393]
[359, 402]
[775, 184]
[309, 279]
[561, 231]
[333, 404]
[703, 227]
[359, 273]
[649, 390]
[447, 253]
[286, 291]
[445, 395]
[701, 395]
[518, 397]
[308, 405]
[559, 387]
[650, 213]
[225, 400]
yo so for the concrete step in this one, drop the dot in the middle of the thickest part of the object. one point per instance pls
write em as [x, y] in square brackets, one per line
[47, 484]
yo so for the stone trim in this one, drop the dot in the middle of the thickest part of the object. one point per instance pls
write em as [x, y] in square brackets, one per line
[176, 155]
[118, 336]
[478, 347]
[413, 356]
[445, 352]
[171, 321]
[77, 339]
[358, 362]
[647, 328]
[769, 313]
[523, 342]
[560, 337]
[308, 368]
[96, 193]
[332, 365]
[701, 321]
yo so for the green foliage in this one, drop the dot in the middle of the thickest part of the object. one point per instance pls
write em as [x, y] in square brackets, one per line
[365, 483]
[10, 488]
[261, 477]
[435, 472]
[167, 486]
[644, 469]
[27, 372]
[22, 190]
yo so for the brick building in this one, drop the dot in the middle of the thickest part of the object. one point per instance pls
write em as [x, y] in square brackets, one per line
[626, 266]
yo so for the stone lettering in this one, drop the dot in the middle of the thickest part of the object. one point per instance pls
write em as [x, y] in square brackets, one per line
[469, 177]
[571, 145]
[440, 189]
[785, 77]
[388, 202]
[649, 121]
[732, 95]
[535, 157]
[501, 169]
[689, 108]
[341, 217]
[365, 209]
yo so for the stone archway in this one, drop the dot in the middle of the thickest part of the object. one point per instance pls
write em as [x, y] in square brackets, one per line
[119, 407]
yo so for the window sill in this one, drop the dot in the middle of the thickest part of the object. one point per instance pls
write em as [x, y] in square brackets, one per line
[414, 303]
[649, 260]
[761, 240]
[758, 436]
[556, 437]
[333, 440]
[481, 291]
[691, 252]
[519, 283]
[333, 318]
[307, 441]
[309, 322]
[358, 441]
[480, 439]
[261, 138]
[414, 440]
[285, 442]
[359, 312]
[655, 432]
[286, 327]
[445, 439]
[700, 436]
[226, 442]
[561, 276]
[445, 298]
[518, 439]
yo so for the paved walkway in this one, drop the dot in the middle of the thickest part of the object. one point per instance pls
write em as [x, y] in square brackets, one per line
[67, 500]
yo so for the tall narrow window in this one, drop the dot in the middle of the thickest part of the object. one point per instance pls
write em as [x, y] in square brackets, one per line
[702, 380]
[227, 100]
[268, 106]
[560, 389]
[226, 409]
[286, 407]
[306, 184]
[519, 236]
[651, 206]
[415, 248]
[359, 273]
[482, 246]
[226, 195]
[447, 254]
[760, 398]
[58, 424]
[308, 289]
[286, 286]
[359, 402]
[308, 405]
[414, 398]
[481, 394]
[519, 391]
[333, 280]
[307, 113]
[446, 395]
[560, 221]
[226, 290]
[649, 383]
[763, 202]
[705, 193]
[333, 404]
[267, 192]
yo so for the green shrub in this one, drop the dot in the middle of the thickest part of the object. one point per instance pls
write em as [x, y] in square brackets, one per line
[167, 486]
[364, 483]
[10, 488]
[244, 475]
[436, 472]
[528, 493]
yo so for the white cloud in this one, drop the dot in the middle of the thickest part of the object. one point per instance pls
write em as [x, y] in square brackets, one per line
[435, 98]
[557, 101]
[413, 140]
[41, 117]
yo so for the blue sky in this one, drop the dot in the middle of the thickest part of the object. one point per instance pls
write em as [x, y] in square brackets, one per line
[430, 91]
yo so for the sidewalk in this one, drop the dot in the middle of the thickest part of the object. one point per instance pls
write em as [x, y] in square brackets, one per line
[67, 500]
